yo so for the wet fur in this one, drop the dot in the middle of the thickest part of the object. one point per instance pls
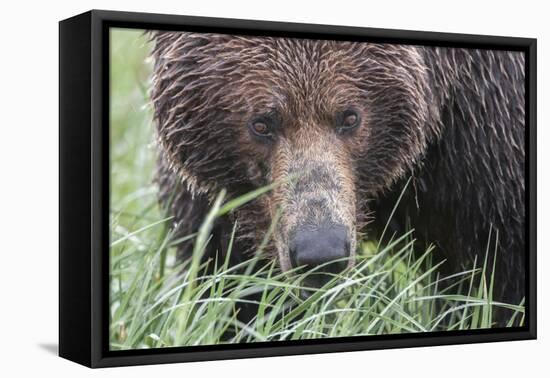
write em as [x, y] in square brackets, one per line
[453, 119]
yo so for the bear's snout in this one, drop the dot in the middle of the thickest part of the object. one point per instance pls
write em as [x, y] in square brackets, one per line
[323, 250]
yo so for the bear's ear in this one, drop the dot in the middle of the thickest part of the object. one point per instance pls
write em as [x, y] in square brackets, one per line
[169, 44]
[183, 56]
[186, 98]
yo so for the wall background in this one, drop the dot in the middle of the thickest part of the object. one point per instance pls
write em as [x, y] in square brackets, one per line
[29, 187]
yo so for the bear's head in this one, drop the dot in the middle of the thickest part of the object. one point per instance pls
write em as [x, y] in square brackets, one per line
[333, 123]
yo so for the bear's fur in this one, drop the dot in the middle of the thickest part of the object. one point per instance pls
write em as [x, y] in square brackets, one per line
[451, 120]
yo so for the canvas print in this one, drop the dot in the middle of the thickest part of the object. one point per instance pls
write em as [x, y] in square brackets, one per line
[270, 189]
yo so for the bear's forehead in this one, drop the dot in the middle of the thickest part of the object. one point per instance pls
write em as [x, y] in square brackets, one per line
[267, 72]
[300, 58]
[286, 57]
[297, 72]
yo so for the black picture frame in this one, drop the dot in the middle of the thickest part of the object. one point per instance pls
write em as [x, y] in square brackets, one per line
[84, 188]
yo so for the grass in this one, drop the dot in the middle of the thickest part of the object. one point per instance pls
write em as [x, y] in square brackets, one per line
[157, 301]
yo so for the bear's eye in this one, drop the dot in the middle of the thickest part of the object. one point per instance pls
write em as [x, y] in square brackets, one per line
[264, 126]
[260, 128]
[348, 120]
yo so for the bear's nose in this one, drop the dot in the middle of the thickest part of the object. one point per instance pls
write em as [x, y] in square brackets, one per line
[325, 248]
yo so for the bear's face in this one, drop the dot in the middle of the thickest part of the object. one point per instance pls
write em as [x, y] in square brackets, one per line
[331, 123]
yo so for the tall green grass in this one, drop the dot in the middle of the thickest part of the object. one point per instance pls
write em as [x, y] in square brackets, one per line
[158, 301]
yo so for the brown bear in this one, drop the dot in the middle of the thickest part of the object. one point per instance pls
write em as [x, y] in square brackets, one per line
[342, 126]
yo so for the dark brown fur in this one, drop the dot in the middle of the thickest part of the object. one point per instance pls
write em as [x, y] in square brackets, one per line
[452, 119]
